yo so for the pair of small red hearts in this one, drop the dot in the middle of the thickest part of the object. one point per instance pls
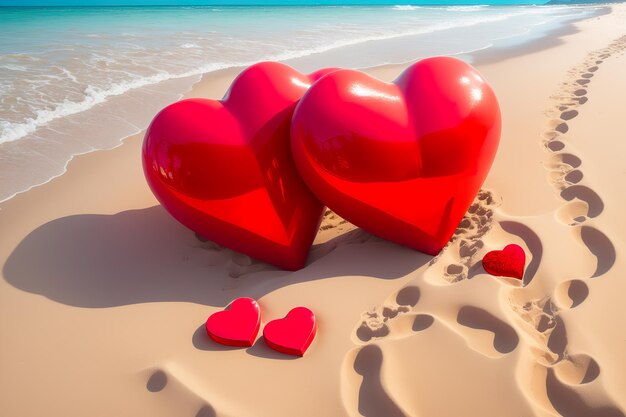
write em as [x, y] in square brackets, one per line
[239, 325]
[253, 171]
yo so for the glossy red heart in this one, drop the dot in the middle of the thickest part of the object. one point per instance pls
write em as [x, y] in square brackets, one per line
[224, 168]
[403, 160]
[508, 262]
[236, 326]
[292, 334]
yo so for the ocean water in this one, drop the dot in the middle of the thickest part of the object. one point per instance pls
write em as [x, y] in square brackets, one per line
[76, 80]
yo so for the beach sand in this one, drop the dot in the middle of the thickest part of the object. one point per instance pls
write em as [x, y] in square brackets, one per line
[104, 296]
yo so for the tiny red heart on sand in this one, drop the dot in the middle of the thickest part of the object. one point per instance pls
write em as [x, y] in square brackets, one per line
[508, 262]
[236, 326]
[292, 334]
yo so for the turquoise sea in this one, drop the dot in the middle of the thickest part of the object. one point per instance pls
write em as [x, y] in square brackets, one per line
[78, 79]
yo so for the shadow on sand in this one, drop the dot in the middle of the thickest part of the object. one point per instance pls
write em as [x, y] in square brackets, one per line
[141, 256]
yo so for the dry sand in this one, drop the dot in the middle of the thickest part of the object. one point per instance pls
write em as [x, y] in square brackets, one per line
[104, 295]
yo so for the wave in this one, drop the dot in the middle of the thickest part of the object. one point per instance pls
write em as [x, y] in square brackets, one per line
[405, 7]
[93, 96]
[11, 131]
[472, 8]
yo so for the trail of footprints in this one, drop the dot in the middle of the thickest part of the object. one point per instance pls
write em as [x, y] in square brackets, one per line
[401, 317]
[465, 245]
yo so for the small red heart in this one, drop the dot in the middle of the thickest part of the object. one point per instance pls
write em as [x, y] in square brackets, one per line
[508, 262]
[238, 325]
[292, 334]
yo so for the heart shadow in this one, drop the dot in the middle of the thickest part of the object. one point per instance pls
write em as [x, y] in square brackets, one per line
[141, 256]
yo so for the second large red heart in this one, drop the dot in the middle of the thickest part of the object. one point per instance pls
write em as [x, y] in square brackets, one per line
[224, 168]
[402, 160]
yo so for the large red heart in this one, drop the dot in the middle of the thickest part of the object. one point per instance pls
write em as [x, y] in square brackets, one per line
[508, 262]
[224, 168]
[236, 326]
[402, 160]
[292, 334]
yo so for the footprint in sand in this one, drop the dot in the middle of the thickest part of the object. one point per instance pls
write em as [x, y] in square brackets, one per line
[372, 327]
[373, 400]
[458, 260]
[555, 145]
[157, 381]
[161, 383]
[549, 332]
[206, 411]
[392, 319]
[577, 369]
[557, 339]
[408, 296]
[568, 403]
[566, 160]
[400, 327]
[503, 338]
[574, 177]
[569, 115]
[562, 128]
[571, 294]
[539, 320]
[422, 322]
[586, 194]
[573, 213]
[559, 166]
[601, 247]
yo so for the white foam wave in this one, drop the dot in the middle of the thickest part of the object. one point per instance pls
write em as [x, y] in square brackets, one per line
[12, 67]
[189, 45]
[93, 96]
[466, 8]
[350, 42]
[10, 131]
[405, 7]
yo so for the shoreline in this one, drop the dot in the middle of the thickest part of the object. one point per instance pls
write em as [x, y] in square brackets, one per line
[478, 56]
